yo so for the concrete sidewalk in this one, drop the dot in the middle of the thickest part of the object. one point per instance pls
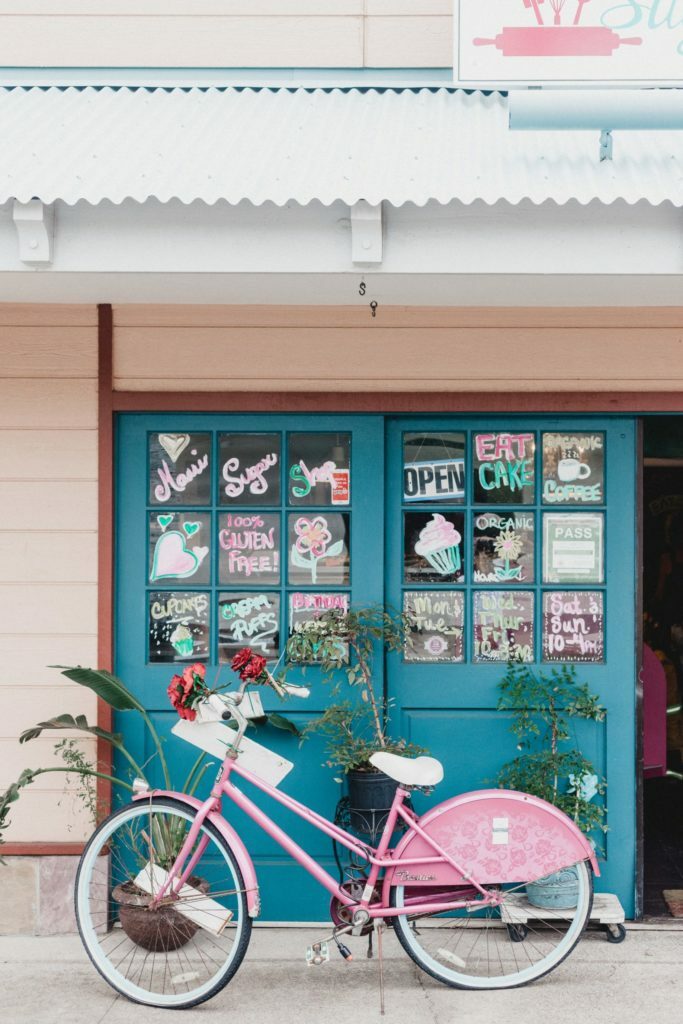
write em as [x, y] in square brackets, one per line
[51, 981]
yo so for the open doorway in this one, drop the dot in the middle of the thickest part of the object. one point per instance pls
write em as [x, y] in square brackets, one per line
[663, 665]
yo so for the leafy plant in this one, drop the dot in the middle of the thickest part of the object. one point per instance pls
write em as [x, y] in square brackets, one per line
[115, 693]
[345, 644]
[543, 706]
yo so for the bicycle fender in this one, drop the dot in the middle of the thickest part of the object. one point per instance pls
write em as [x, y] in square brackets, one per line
[242, 856]
[494, 835]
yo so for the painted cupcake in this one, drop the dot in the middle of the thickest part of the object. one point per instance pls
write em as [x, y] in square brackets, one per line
[439, 544]
[181, 638]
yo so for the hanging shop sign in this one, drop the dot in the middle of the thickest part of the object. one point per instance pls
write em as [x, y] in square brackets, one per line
[568, 42]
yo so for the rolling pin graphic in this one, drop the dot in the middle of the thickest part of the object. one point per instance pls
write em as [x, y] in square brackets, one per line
[558, 41]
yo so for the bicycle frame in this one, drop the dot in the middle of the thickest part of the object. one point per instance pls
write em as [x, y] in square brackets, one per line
[379, 858]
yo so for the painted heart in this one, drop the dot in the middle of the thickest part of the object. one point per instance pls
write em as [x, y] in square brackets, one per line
[165, 520]
[201, 553]
[191, 528]
[171, 557]
[174, 444]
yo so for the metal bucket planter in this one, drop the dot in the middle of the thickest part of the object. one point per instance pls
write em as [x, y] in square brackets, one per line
[371, 795]
[559, 891]
[158, 930]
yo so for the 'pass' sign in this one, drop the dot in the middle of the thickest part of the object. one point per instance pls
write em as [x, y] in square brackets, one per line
[523, 42]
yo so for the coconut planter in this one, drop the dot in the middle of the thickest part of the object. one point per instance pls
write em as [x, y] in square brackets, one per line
[158, 930]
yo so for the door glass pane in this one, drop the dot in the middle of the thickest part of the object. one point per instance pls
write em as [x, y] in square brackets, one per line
[573, 626]
[433, 547]
[503, 625]
[249, 548]
[248, 620]
[179, 546]
[319, 469]
[249, 469]
[436, 625]
[319, 548]
[306, 606]
[573, 547]
[178, 626]
[504, 468]
[574, 469]
[503, 547]
[179, 471]
[434, 467]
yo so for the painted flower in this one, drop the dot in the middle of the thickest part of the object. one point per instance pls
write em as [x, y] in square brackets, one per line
[312, 535]
[508, 545]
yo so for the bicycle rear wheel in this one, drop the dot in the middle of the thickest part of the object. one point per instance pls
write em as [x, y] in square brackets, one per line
[187, 949]
[494, 947]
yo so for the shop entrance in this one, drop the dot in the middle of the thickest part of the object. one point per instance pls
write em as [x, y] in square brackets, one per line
[663, 664]
[503, 537]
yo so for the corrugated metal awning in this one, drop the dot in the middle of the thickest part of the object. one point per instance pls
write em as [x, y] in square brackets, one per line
[299, 145]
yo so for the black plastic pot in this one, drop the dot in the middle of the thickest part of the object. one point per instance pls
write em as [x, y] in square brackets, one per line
[371, 795]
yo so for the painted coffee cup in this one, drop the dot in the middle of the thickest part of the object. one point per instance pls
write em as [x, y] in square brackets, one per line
[572, 469]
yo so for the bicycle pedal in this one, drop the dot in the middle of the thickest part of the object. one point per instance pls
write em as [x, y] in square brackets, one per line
[318, 954]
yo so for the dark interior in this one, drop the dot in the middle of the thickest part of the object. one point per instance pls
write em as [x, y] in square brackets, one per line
[663, 635]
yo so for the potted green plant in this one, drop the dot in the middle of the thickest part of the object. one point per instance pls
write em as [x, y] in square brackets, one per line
[344, 646]
[163, 928]
[550, 765]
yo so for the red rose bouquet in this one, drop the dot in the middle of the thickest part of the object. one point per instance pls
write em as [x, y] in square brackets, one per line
[186, 691]
[253, 669]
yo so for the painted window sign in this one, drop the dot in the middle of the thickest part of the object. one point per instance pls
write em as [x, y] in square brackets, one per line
[433, 547]
[574, 469]
[319, 548]
[305, 606]
[436, 625]
[179, 544]
[250, 469]
[319, 469]
[178, 626]
[503, 547]
[249, 548]
[573, 547]
[179, 469]
[503, 625]
[248, 620]
[434, 467]
[573, 626]
[504, 468]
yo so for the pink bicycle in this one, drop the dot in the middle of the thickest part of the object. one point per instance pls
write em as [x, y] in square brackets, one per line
[166, 890]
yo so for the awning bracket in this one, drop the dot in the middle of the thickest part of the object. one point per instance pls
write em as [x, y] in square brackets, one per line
[35, 223]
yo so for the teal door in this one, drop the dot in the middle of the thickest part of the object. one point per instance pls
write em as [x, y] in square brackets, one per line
[515, 537]
[228, 529]
[503, 537]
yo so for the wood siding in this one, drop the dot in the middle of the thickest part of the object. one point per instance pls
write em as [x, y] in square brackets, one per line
[335, 349]
[226, 33]
[48, 547]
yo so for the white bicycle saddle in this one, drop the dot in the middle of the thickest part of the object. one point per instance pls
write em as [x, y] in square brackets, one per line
[409, 771]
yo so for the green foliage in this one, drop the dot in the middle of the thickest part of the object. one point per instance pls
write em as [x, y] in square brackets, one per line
[543, 706]
[79, 779]
[104, 684]
[344, 646]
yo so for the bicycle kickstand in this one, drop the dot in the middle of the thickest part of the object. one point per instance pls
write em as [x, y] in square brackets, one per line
[379, 926]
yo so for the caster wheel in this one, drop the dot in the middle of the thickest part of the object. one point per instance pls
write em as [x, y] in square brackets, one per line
[615, 933]
[517, 932]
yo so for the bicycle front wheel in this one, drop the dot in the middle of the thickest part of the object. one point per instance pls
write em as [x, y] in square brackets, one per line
[493, 947]
[188, 947]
